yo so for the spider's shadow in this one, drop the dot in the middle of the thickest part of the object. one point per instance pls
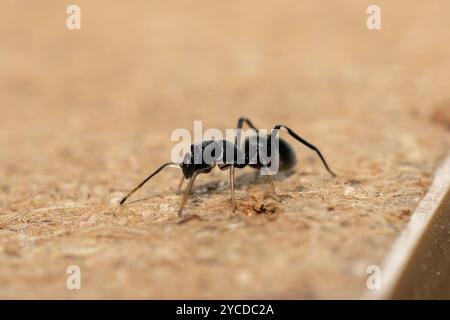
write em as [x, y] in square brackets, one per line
[219, 185]
[244, 179]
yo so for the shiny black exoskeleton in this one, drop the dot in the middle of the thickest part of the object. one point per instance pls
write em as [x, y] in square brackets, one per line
[256, 152]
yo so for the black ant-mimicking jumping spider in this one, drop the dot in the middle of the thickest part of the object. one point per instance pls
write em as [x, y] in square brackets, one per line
[194, 162]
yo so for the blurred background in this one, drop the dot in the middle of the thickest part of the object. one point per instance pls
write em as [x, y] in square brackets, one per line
[143, 68]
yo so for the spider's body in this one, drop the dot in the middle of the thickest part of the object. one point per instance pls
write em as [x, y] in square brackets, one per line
[206, 154]
[224, 153]
[257, 153]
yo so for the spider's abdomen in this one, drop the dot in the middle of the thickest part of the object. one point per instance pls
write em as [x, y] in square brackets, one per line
[288, 159]
[259, 153]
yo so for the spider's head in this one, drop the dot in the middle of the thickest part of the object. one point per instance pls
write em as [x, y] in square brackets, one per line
[189, 166]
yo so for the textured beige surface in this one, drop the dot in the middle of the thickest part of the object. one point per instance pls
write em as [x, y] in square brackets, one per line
[417, 265]
[85, 115]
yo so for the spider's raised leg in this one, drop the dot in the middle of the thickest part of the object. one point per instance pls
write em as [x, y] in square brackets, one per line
[243, 120]
[306, 143]
[239, 126]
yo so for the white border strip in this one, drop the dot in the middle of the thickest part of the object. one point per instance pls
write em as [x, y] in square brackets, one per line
[405, 245]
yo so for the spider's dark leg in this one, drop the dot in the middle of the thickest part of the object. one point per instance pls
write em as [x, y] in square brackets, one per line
[306, 143]
[243, 120]
[189, 188]
[272, 186]
[186, 193]
[233, 201]
[148, 178]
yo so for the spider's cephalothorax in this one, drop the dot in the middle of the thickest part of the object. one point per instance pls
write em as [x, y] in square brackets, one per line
[206, 154]
[257, 153]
